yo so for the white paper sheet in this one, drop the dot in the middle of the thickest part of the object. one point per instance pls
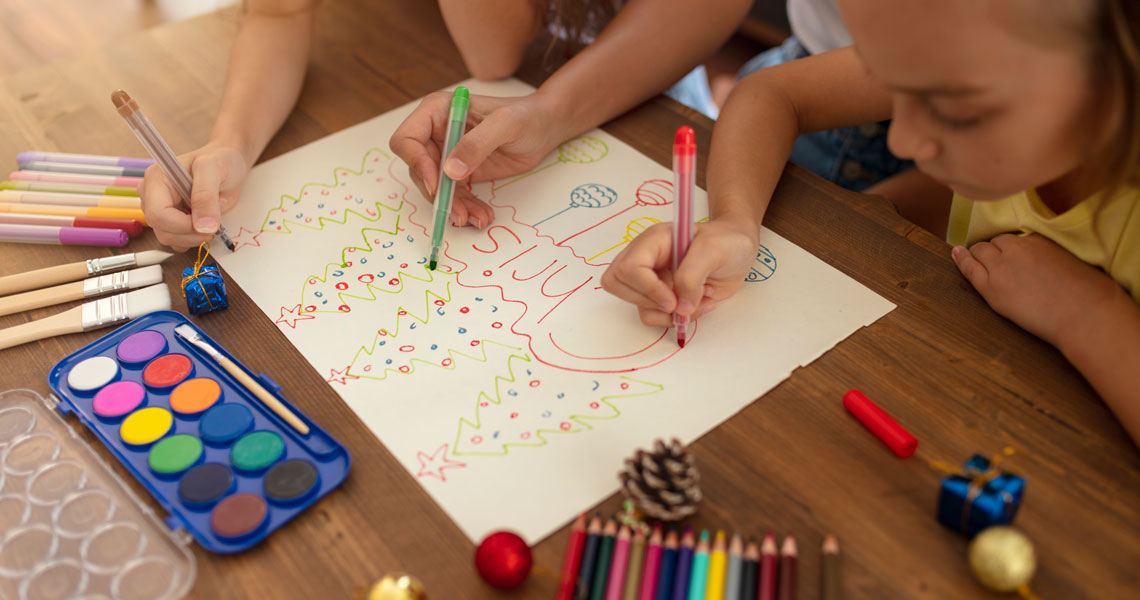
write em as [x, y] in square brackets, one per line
[508, 383]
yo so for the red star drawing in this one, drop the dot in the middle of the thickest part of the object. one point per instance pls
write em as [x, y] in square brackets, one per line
[428, 465]
[290, 316]
[340, 376]
[245, 237]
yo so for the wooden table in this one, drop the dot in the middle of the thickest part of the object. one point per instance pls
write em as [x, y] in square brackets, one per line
[961, 378]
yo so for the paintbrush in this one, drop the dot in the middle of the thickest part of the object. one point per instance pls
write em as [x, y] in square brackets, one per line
[92, 315]
[22, 282]
[192, 336]
[81, 290]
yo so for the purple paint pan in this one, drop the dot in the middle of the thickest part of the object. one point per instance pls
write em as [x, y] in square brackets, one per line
[141, 347]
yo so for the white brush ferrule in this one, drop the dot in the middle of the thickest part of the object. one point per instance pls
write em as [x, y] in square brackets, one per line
[96, 266]
[104, 311]
[97, 286]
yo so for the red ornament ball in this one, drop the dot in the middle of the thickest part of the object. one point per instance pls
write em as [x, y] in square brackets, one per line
[503, 560]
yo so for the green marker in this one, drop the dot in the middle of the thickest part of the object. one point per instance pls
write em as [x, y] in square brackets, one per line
[446, 190]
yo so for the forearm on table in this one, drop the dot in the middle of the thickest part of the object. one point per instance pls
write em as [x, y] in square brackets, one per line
[647, 47]
[266, 69]
[1105, 348]
[492, 35]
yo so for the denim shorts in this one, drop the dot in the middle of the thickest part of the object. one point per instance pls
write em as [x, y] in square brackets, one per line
[852, 157]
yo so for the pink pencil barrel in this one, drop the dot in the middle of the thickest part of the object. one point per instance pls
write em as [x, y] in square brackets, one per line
[58, 177]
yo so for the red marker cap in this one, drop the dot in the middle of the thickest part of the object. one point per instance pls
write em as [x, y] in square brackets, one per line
[899, 440]
[685, 145]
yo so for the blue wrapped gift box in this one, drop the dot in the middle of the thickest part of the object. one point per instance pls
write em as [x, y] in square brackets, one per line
[979, 497]
[205, 290]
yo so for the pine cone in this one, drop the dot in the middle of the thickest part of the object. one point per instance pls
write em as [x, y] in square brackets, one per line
[663, 483]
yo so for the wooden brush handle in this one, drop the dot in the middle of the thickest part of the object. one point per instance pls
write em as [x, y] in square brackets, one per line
[266, 398]
[40, 298]
[22, 282]
[70, 321]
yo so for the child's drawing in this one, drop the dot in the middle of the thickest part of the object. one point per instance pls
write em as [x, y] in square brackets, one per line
[507, 382]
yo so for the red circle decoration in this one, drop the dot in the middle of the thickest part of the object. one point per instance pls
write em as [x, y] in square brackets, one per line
[655, 192]
[487, 273]
[341, 285]
[503, 560]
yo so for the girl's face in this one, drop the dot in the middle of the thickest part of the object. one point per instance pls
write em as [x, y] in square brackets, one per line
[982, 101]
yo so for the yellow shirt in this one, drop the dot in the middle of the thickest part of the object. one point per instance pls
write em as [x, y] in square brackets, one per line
[1103, 233]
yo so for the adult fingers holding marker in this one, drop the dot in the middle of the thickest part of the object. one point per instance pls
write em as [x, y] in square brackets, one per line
[505, 136]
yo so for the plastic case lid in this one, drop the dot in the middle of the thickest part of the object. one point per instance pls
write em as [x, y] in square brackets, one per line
[69, 526]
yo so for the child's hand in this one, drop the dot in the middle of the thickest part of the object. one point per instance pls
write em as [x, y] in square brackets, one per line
[505, 136]
[218, 173]
[1035, 283]
[714, 269]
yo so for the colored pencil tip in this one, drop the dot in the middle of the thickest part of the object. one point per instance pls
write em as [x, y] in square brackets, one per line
[830, 545]
[229, 244]
[681, 342]
[431, 265]
[789, 546]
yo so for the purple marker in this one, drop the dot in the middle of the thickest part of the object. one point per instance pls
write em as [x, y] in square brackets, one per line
[83, 159]
[66, 236]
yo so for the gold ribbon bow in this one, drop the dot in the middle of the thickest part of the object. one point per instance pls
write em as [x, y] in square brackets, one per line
[198, 264]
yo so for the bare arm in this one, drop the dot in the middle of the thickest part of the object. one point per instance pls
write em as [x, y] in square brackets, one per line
[648, 46]
[492, 35]
[1106, 350]
[267, 67]
[765, 114]
[751, 143]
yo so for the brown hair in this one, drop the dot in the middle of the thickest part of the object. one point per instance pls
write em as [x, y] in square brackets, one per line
[1115, 38]
[572, 24]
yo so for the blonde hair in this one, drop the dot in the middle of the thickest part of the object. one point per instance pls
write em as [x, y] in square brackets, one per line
[1115, 38]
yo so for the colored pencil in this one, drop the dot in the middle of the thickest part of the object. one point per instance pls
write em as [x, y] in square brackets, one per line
[829, 570]
[62, 236]
[573, 558]
[70, 188]
[699, 578]
[131, 227]
[750, 570]
[636, 562]
[651, 566]
[605, 560]
[733, 571]
[666, 572]
[38, 165]
[684, 566]
[714, 589]
[788, 569]
[99, 212]
[82, 159]
[135, 182]
[619, 565]
[589, 558]
[768, 563]
[23, 197]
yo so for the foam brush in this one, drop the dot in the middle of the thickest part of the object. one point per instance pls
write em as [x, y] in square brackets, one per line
[81, 290]
[91, 315]
[31, 280]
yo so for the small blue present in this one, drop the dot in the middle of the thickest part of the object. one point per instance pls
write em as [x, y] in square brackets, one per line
[980, 496]
[203, 286]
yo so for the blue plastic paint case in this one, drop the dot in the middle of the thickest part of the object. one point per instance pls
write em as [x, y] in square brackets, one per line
[287, 476]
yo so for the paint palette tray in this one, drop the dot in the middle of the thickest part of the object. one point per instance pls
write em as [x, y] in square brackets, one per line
[69, 527]
[227, 469]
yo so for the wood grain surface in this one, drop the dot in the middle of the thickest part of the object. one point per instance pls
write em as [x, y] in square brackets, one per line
[961, 378]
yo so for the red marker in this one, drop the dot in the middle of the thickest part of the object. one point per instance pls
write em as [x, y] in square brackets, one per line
[133, 228]
[684, 175]
[899, 440]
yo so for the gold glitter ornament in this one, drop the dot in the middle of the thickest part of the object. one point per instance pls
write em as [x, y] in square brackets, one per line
[1002, 559]
[397, 586]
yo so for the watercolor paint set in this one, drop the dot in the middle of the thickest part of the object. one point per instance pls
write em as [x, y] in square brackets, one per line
[227, 458]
